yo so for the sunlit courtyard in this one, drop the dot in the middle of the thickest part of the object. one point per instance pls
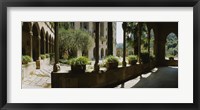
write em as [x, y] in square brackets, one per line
[99, 55]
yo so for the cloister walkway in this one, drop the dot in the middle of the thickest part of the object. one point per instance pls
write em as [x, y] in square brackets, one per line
[162, 77]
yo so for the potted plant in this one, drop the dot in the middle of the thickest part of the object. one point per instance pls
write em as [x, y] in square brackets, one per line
[26, 59]
[112, 62]
[145, 58]
[132, 59]
[78, 65]
[171, 58]
[43, 56]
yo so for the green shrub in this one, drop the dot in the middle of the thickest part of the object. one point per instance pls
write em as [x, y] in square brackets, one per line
[26, 59]
[112, 59]
[132, 58]
[79, 61]
[43, 56]
[47, 55]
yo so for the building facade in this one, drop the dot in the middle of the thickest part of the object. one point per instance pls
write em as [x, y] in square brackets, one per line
[103, 38]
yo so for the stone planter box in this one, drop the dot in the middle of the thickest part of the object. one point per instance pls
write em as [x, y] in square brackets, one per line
[77, 69]
[109, 78]
[27, 69]
[111, 66]
[44, 62]
[171, 62]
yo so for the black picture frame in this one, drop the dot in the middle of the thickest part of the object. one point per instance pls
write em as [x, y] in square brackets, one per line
[98, 3]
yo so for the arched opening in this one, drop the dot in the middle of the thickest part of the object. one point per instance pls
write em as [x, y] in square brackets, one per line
[26, 38]
[36, 42]
[102, 53]
[42, 41]
[171, 47]
[47, 42]
[152, 39]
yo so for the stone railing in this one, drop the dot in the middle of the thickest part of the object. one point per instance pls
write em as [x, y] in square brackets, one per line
[110, 78]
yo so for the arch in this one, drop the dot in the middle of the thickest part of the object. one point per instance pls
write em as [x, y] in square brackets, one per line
[42, 35]
[171, 46]
[47, 42]
[36, 42]
[26, 38]
[102, 53]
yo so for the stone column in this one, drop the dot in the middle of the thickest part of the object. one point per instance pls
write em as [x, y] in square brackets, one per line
[56, 66]
[124, 26]
[39, 48]
[50, 46]
[96, 65]
[110, 38]
[44, 45]
[47, 44]
[30, 53]
[139, 42]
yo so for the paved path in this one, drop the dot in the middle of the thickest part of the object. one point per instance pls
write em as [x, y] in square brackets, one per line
[40, 79]
[163, 77]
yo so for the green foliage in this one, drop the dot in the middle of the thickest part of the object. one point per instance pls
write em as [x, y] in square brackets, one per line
[132, 57]
[112, 59]
[47, 55]
[79, 61]
[26, 59]
[43, 56]
[72, 40]
[171, 48]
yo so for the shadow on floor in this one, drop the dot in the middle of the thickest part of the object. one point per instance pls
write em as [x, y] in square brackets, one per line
[165, 77]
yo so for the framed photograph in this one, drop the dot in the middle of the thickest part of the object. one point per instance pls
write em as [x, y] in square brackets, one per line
[99, 54]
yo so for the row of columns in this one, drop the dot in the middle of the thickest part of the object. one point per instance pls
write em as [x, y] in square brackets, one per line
[35, 43]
